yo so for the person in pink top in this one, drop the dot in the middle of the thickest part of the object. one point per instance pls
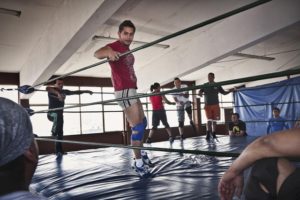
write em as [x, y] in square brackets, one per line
[125, 84]
[159, 112]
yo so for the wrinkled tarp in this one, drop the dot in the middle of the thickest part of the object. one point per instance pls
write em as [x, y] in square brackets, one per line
[256, 103]
[106, 173]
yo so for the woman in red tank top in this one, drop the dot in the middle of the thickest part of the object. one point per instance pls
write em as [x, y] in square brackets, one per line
[159, 113]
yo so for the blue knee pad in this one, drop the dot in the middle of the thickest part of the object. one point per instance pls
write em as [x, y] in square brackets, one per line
[138, 132]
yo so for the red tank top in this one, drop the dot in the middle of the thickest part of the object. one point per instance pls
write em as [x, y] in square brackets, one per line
[156, 102]
[123, 75]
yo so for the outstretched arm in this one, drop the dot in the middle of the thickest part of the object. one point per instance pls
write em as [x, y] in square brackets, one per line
[200, 93]
[86, 91]
[107, 52]
[281, 144]
[79, 92]
[224, 92]
[167, 101]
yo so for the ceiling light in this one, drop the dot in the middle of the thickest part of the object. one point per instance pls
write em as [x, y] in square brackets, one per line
[10, 12]
[254, 56]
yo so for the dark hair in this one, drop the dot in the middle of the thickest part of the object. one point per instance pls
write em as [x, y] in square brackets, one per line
[210, 73]
[126, 23]
[275, 108]
[237, 115]
[154, 86]
[54, 81]
[176, 78]
[59, 79]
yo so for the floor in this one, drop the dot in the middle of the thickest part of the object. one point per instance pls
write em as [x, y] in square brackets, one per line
[106, 173]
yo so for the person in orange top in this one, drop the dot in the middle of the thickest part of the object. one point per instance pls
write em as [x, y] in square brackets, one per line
[212, 108]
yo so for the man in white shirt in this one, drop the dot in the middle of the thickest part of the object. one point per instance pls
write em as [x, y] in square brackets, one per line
[182, 103]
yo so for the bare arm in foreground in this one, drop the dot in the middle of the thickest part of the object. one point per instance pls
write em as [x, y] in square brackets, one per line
[283, 144]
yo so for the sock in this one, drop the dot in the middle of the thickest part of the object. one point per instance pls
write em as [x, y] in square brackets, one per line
[139, 162]
[143, 153]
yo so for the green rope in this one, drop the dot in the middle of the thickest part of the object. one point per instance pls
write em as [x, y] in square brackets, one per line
[240, 80]
[196, 152]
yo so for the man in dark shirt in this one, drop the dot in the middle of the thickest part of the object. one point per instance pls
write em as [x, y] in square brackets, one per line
[56, 96]
[236, 127]
[212, 108]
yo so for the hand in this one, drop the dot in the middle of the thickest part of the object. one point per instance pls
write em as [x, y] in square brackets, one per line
[200, 94]
[236, 133]
[233, 89]
[231, 184]
[113, 55]
[90, 92]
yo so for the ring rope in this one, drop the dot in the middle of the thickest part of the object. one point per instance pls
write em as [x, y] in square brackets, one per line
[264, 121]
[266, 104]
[233, 81]
[194, 27]
[269, 86]
[197, 152]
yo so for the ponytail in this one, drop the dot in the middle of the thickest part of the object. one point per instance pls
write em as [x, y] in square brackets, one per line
[154, 86]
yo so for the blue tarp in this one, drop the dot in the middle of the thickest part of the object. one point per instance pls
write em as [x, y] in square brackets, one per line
[255, 104]
[106, 173]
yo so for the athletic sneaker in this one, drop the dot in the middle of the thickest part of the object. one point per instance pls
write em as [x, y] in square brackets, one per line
[148, 140]
[143, 171]
[146, 160]
[171, 139]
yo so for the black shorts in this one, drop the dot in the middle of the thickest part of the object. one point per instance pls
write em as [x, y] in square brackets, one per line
[157, 116]
[265, 171]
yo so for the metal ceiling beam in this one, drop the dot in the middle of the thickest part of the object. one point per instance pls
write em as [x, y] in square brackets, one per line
[245, 55]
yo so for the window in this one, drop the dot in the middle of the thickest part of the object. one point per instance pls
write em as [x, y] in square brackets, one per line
[82, 119]
[113, 116]
[91, 116]
[40, 123]
[112, 112]
[12, 95]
